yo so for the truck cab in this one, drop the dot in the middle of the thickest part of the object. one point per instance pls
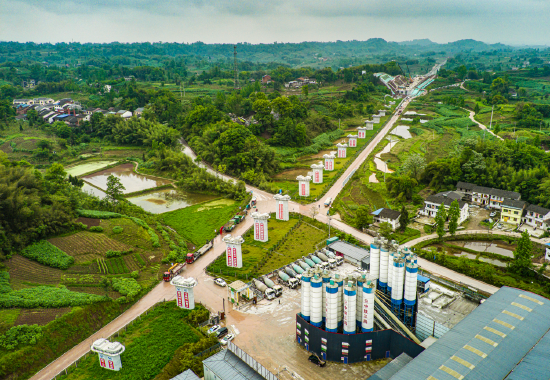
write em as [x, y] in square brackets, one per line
[166, 276]
[325, 265]
[190, 258]
[339, 260]
[293, 283]
[332, 263]
[278, 290]
[270, 294]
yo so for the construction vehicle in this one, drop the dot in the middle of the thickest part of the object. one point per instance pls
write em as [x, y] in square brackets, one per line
[229, 226]
[303, 264]
[278, 288]
[268, 292]
[291, 272]
[253, 202]
[328, 201]
[298, 269]
[173, 271]
[239, 217]
[192, 257]
[287, 280]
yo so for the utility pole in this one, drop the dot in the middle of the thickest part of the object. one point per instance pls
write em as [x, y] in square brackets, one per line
[235, 70]
[491, 123]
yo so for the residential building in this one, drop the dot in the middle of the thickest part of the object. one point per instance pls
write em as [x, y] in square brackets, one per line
[23, 101]
[487, 196]
[536, 216]
[386, 215]
[432, 203]
[266, 79]
[512, 211]
[43, 101]
[124, 114]
[139, 111]
[465, 187]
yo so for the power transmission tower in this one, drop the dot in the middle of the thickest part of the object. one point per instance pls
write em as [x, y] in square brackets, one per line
[235, 70]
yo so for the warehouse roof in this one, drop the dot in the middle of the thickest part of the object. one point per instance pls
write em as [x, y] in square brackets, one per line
[530, 367]
[488, 343]
[392, 367]
[228, 366]
[187, 375]
[350, 250]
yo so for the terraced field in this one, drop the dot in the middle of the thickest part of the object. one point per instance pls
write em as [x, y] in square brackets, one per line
[85, 243]
[24, 270]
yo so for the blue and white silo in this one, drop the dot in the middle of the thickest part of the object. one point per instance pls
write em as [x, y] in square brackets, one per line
[350, 300]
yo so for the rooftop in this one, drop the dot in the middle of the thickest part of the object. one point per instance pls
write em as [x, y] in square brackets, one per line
[537, 209]
[387, 213]
[513, 203]
[187, 375]
[228, 366]
[439, 199]
[350, 250]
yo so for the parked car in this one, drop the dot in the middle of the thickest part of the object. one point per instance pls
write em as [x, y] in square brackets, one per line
[220, 282]
[493, 214]
[315, 360]
[227, 339]
[222, 332]
[213, 329]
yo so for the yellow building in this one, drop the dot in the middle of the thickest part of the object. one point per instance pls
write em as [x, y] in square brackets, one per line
[512, 211]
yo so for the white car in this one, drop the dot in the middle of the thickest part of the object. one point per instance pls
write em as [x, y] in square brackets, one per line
[493, 214]
[220, 282]
[227, 338]
[213, 329]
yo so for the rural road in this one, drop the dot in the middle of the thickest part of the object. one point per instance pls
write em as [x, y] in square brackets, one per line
[472, 114]
[207, 294]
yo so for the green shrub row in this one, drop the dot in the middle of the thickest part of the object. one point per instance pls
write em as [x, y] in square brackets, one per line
[99, 214]
[5, 282]
[139, 259]
[20, 335]
[128, 287]
[47, 296]
[48, 254]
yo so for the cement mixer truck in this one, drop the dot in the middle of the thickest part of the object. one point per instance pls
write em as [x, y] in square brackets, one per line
[287, 280]
[268, 292]
[298, 269]
[278, 288]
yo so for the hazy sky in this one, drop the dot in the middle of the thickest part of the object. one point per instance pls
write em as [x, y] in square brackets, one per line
[506, 21]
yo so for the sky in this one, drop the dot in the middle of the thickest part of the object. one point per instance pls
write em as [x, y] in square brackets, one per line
[513, 22]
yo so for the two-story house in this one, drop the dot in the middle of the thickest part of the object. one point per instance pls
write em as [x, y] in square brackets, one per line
[512, 211]
[432, 203]
[386, 215]
[488, 196]
[536, 216]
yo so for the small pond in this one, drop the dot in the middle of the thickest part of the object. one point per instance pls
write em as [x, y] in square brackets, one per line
[414, 113]
[497, 247]
[87, 167]
[166, 200]
[93, 190]
[402, 131]
[406, 119]
[125, 173]
[496, 262]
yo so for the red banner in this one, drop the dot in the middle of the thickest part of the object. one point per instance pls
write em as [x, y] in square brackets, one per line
[262, 231]
[303, 192]
[229, 261]
[235, 257]
[316, 176]
[111, 364]
[186, 298]
[257, 230]
[280, 210]
[102, 362]
[178, 295]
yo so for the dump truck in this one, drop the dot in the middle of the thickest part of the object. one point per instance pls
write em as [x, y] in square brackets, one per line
[239, 217]
[192, 257]
[298, 269]
[268, 292]
[287, 280]
[229, 226]
[278, 288]
[173, 271]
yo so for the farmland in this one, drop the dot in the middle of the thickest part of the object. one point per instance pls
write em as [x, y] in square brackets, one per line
[150, 344]
[85, 242]
[48, 254]
[202, 221]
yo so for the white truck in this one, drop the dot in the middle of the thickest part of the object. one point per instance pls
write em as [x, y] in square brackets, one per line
[268, 292]
[278, 288]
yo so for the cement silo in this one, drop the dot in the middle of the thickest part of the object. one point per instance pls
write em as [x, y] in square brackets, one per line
[326, 279]
[306, 290]
[340, 282]
[391, 270]
[398, 283]
[384, 257]
[315, 301]
[375, 259]
[331, 306]
[350, 300]
[367, 322]
[411, 277]
[359, 304]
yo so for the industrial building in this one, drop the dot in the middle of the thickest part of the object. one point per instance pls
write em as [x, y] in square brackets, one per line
[506, 337]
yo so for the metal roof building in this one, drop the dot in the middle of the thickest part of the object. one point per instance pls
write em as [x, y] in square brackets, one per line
[392, 367]
[225, 365]
[352, 253]
[503, 338]
[187, 375]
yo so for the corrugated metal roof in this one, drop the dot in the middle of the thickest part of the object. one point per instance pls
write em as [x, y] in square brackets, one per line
[535, 364]
[350, 250]
[187, 375]
[488, 343]
[391, 368]
[228, 366]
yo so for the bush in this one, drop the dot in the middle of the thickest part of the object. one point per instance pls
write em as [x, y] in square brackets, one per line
[96, 229]
[48, 254]
[111, 253]
[134, 274]
[117, 229]
[98, 214]
[47, 296]
[20, 335]
[5, 282]
[128, 287]
[428, 229]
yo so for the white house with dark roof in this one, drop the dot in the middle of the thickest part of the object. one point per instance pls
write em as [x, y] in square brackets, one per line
[486, 196]
[432, 203]
[386, 215]
[536, 216]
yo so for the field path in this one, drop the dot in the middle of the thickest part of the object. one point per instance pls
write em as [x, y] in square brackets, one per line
[472, 114]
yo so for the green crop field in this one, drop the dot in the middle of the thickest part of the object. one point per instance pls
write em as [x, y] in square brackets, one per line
[150, 344]
[200, 222]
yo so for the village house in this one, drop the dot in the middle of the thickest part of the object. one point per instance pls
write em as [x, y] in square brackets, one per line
[486, 196]
[512, 211]
[386, 215]
[432, 203]
[536, 216]
[266, 79]
[23, 101]
[139, 111]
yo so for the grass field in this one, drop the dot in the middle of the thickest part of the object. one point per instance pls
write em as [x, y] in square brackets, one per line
[150, 344]
[200, 222]
[288, 241]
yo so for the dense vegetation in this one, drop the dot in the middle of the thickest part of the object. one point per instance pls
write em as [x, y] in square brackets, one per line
[48, 254]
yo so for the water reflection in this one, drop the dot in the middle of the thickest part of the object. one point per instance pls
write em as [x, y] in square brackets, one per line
[402, 131]
[125, 173]
[166, 200]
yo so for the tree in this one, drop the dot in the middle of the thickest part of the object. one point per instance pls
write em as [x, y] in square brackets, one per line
[496, 129]
[415, 165]
[62, 130]
[362, 217]
[403, 219]
[386, 230]
[440, 218]
[476, 108]
[522, 256]
[305, 90]
[114, 189]
[454, 213]
[314, 211]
